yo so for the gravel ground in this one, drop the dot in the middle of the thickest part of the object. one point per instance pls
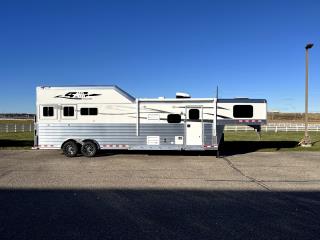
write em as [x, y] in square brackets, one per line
[44, 195]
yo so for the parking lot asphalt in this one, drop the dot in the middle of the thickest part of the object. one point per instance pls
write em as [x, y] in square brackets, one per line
[167, 195]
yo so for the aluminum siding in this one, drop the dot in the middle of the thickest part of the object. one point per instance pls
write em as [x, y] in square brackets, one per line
[56, 134]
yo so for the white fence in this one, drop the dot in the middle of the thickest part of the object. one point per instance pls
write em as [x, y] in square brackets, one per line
[271, 127]
[277, 127]
[16, 127]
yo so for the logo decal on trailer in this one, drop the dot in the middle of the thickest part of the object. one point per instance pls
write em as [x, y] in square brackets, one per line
[78, 95]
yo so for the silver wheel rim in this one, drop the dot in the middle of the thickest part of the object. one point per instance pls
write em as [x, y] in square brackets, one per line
[89, 149]
[70, 149]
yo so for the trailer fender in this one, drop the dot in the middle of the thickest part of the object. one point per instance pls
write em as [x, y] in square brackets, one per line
[78, 141]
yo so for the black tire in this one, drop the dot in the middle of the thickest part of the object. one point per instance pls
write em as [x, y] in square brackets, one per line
[89, 149]
[70, 149]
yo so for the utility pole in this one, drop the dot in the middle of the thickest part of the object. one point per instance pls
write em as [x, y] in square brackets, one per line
[306, 141]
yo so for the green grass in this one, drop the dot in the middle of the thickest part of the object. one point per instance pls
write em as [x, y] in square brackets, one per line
[270, 141]
[238, 142]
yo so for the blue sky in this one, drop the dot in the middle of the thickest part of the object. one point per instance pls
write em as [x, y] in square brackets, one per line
[155, 48]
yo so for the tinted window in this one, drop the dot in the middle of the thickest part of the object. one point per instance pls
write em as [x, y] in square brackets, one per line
[68, 111]
[47, 111]
[194, 114]
[93, 111]
[174, 118]
[89, 111]
[84, 111]
[243, 111]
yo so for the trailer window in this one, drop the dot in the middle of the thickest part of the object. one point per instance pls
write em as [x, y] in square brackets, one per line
[47, 112]
[243, 111]
[174, 118]
[68, 111]
[194, 114]
[89, 111]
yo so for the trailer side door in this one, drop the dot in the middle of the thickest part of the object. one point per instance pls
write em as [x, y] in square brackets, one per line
[194, 126]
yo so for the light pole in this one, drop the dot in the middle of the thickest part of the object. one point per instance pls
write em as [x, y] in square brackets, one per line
[306, 141]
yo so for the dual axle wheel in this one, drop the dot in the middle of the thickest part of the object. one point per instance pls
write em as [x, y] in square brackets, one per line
[72, 148]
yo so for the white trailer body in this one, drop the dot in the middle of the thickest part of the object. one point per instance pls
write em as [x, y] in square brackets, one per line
[109, 118]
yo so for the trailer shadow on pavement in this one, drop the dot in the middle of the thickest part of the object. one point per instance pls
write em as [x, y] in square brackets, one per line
[103, 153]
[158, 214]
[241, 147]
[228, 148]
[15, 143]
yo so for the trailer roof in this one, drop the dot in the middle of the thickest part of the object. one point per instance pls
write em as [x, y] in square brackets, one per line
[176, 99]
[114, 87]
[132, 99]
[241, 100]
[225, 100]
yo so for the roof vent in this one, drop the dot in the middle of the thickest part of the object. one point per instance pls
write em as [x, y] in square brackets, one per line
[182, 95]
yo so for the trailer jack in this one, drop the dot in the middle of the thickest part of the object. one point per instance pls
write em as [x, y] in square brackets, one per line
[257, 129]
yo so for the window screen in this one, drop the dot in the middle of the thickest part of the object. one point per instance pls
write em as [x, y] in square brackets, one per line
[174, 118]
[194, 114]
[243, 111]
[68, 111]
[47, 112]
[89, 111]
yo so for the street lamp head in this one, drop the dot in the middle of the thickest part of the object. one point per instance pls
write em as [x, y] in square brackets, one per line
[309, 45]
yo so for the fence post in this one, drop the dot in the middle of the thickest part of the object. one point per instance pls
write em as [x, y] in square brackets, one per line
[30, 128]
[7, 128]
[15, 127]
[22, 128]
[286, 128]
[276, 130]
[266, 128]
[236, 128]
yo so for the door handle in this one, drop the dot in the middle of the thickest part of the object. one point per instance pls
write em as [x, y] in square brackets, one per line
[188, 125]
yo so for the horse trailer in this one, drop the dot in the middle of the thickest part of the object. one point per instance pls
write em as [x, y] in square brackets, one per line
[86, 119]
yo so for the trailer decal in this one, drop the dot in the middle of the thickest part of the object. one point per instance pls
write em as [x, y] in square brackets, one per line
[78, 95]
